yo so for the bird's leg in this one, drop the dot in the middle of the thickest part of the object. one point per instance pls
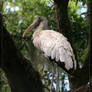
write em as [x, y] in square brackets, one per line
[57, 78]
[51, 90]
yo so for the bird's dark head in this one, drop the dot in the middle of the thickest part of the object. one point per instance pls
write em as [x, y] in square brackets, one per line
[38, 20]
[34, 24]
[42, 18]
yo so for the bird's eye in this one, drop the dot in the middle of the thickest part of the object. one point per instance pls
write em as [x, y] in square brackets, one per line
[40, 19]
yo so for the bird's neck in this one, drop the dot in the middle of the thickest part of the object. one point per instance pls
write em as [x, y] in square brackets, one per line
[42, 26]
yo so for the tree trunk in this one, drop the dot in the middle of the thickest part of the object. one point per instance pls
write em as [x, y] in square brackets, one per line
[90, 33]
[90, 42]
[80, 78]
[19, 71]
[61, 8]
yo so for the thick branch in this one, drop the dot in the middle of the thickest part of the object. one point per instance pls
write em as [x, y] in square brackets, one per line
[19, 71]
[90, 35]
[61, 7]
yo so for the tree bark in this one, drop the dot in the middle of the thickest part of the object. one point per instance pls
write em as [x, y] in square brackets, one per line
[63, 23]
[90, 34]
[19, 71]
[90, 42]
[80, 78]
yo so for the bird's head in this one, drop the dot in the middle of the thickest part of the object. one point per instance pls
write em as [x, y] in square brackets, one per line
[34, 24]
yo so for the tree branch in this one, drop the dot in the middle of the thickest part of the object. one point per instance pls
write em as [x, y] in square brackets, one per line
[19, 71]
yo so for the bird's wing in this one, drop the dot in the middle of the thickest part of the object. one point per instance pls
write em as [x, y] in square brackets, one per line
[56, 46]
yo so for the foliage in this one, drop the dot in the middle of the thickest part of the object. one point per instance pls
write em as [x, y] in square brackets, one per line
[20, 14]
[4, 87]
[80, 29]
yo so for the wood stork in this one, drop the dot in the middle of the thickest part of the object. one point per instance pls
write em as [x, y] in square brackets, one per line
[54, 45]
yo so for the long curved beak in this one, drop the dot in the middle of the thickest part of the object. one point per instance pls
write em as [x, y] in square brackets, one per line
[27, 30]
[35, 23]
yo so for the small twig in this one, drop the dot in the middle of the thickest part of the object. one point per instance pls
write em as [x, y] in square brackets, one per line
[47, 88]
[57, 78]
[51, 90]
[63, 85]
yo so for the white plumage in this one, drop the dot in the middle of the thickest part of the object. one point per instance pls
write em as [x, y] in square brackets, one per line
[56, 46]
[53, 44]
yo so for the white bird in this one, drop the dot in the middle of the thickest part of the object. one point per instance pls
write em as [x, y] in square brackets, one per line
[54, 45]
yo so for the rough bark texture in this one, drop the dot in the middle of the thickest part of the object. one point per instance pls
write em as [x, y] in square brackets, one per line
[19, 71]
[90, 42]
[80, 78]
[90, 33]
[61, 7]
